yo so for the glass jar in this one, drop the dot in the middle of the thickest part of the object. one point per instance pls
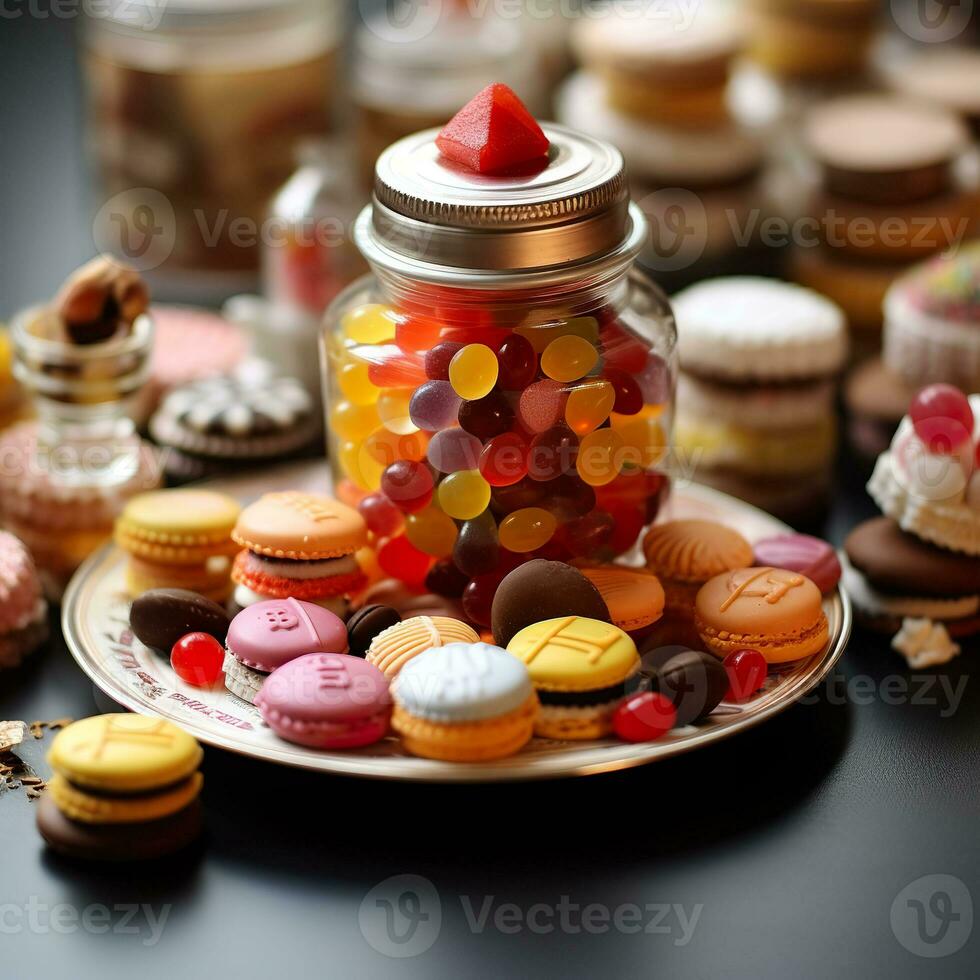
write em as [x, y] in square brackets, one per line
[196, 108]
[501, 387]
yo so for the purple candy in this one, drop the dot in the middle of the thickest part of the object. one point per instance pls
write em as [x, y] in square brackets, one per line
[434, 406]
[801, 553]
[453, 449]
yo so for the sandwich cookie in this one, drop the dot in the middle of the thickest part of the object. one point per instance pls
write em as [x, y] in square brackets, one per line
[464, 702]
[801, 553]
[634, 597]
[125, 788]
[581, 669]
[268, 634]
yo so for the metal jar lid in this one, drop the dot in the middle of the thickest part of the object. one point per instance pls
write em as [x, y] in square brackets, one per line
[433, 220]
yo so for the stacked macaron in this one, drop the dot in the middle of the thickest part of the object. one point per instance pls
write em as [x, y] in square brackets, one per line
[755, 402]
[917, 569]
[300, 545]
[179, 539]
[125, 788]
[23, 611]
[266, 635]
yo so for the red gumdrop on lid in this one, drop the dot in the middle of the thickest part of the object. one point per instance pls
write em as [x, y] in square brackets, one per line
[747, 671]
[197, 658]
[644, 717]
[494, 131]
[942, 418]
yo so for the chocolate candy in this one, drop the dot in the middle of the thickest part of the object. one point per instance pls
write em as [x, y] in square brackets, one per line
[364, 625]
[160, 617]
[695, 682]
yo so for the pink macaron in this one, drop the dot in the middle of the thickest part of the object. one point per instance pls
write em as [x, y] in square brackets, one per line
[326, 701]
[23, 611]
[801, 553]
[268, 634]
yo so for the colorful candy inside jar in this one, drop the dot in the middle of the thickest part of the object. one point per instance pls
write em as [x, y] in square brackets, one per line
[501, 387]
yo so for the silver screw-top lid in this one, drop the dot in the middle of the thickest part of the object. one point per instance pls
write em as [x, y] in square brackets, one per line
[436, 220]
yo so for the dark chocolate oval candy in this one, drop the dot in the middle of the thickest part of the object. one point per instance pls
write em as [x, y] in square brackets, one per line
[694, 681]
[160, 617]
[365, 624]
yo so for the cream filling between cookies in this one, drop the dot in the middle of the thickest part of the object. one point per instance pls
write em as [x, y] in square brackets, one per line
[868, 598]
[302, 571]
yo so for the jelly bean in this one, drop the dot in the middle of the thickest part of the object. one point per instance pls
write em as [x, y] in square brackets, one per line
[504, 459]
[644, 717]
[628, 522]
[464, 494]
[524, 493]
[657, 491]
[394, 413]
[542, 405]
[628, 395]
[431, 531]
[390, 367]
[622, 349]
[477, 549]
[589, 405]
[453, 449]
[408, 485]
[643, 437]
[382, 517]
[587, 536]
[518, 363]
[747, 671]
[473, 371]
[488, 416]
[399, 558]
[437, 360]
[654, 381]
[628, 489]
[942, 418]
[385, 446]
[599, 459]
[352, 421]
[372, 323]
[489, 336]
[434, 406]
[478, 598]
[446, 580]
[540, 335]
[359, 466]
[417, 334]
[197, 658]
[527, 529]
[348, 492]
[355, 383]
[568, 497]
[552, 453]
[569, 358]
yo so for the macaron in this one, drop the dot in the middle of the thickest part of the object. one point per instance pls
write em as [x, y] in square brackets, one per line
[298, 544]
[464, 702]
[802, 553]
[23, 611]
[179, 539]
[125, 788]
[268, 634]
[634, 597]
[400, 643]
[772, 610]
[580, 668]
[326, 701]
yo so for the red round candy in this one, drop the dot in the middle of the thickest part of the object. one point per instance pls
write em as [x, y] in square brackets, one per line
[437, 360]
[504, 459]
[399, 558]
[197, 658]
[629, 397]
[942, 417]
[408, 485]
[628, 522]
[622, 350]
[478, 597]
[417, 334]
[518, 364]
[747, 671]
[445, 579]
[587, 536]
[486, 417]
[552, 453]
[382, 517]
[391, 367]
[644, 717]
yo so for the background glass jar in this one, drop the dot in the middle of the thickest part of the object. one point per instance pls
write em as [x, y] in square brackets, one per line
[480, 418]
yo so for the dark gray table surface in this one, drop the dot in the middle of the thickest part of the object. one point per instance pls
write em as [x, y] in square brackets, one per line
[784, 852]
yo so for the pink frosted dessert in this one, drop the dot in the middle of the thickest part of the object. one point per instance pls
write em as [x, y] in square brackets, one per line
[801, 553]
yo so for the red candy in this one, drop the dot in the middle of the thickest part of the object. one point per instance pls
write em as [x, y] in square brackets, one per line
[382, 517]
[492, 132]
[478, 597]
[399, 558]
[437, 360]
[518, 364]
[622, 350]
[552, 453]
[445, 579]
[942, 417]
[197, 658]
[408, 485]
[486, 417]
[504, 459]
[542, 405]
[644, 717]
[417, 334]
[629, 397]
[391, 367]
[747, 671]
[587, 536]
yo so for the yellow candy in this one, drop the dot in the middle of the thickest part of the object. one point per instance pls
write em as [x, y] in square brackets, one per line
[569, 358]
[589, 405]
[384, 446]
[473, 371]
[371, 323]
[540, 335]
[600, 457]
[355, 384]
[431, 531]
[464, 495]
[644, 441]
[393, 410]
[527, 529]
[364, 471]
[352, 421]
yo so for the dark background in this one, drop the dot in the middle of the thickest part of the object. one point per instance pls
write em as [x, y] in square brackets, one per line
[795, 838]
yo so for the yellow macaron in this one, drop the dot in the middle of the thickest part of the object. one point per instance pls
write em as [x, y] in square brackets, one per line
[77, 804]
